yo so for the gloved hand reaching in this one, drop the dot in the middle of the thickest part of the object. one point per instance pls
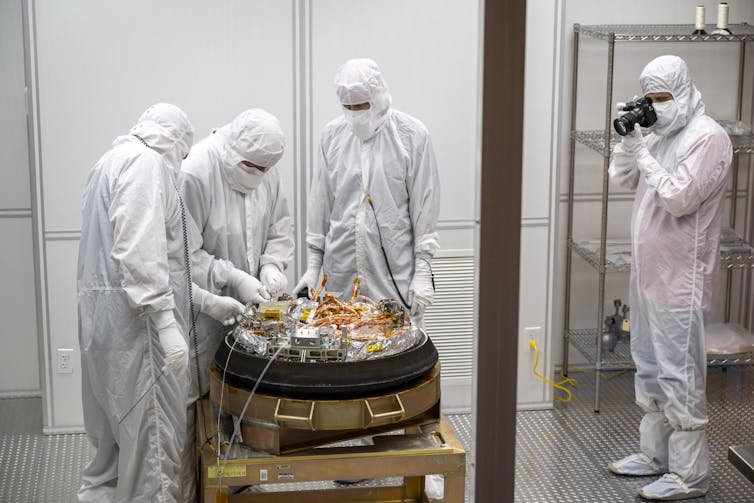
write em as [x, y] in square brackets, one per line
[248, 287]
[172, 341]
[421, 293]
[226, 310]
[273, 279]
[313, 271]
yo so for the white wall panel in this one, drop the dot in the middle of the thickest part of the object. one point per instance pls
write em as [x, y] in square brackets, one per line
[14, 157]
[456, 236]
[61, 281]
[100, 66]
[539, 100]
[19, 367]
[533, 305]
[427, 52]
[541, 105]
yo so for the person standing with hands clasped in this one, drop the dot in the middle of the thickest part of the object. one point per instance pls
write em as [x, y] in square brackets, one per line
[679, 172]
[374, 198]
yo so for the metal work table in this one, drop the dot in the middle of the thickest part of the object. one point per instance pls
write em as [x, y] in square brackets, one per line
[742, 457]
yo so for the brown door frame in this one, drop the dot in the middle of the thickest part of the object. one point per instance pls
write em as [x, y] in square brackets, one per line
[497, 348]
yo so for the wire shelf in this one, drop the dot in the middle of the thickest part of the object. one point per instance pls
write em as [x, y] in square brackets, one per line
[736, 260]
[664, 33]
[595, 140]
[618, 256]
[584, 340]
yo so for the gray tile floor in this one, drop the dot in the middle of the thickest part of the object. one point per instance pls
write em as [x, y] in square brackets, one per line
[560, 454]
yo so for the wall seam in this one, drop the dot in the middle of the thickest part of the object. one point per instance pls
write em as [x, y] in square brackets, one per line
[554, 209]
[15, 213]
[37, 200]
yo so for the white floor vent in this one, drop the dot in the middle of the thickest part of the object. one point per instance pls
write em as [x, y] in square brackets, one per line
[450, 320]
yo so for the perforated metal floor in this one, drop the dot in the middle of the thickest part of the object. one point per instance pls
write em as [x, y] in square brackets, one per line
[35, 467]
[561, 454]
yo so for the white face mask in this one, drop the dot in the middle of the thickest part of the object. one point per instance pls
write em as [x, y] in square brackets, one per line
[361, 123]
[245, 179]
[667, 117]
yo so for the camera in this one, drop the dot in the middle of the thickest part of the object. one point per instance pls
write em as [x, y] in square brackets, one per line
[639, 112]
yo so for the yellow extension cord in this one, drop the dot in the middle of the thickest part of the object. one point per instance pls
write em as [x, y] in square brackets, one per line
[557, 385]
[560, 385]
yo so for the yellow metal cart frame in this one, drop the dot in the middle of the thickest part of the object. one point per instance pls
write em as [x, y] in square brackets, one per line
[432, 449]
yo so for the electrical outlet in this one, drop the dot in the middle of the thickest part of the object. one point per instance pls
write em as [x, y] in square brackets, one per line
[65, 361]
[533, 334]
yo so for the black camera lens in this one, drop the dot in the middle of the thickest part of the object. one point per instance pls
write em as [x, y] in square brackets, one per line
[625, 123]
[621, 126]
[639, 112]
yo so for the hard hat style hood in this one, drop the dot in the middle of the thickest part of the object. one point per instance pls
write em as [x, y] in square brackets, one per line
[254, 135]
[671, 74]
[167, 130]
[360, 81]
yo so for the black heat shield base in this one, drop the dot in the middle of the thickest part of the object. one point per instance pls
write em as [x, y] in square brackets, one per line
[296, 379]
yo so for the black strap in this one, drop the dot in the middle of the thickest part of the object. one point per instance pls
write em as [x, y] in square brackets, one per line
[384, 254]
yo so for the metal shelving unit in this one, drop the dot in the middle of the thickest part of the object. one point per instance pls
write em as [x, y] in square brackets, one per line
[620, 357]
[618, 255]
[589, 341]
[595, 140]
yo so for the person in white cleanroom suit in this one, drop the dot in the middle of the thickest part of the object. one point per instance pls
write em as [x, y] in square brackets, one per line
[679, 173]
[133, 303]
[234, 193]
[375, 189]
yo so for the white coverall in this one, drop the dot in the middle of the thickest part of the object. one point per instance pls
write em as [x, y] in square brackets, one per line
[680, 181]
[244, 220]
[130, 264]
[388, 155]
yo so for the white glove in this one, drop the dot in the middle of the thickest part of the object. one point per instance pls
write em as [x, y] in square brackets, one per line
[248, 287]
[172, 341]
[625, 174]
[621, 105]
[421, 293]
[313, 271]
[226, 310]
[633, 142]
[273, 279]
[649, 167]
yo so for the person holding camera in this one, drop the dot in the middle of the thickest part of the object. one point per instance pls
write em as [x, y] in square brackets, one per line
[679, 174]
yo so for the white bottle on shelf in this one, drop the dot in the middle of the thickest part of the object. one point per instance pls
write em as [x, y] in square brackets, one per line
[699, 24]
[722, 20]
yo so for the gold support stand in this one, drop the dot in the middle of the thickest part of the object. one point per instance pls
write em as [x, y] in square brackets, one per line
[420, 451]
